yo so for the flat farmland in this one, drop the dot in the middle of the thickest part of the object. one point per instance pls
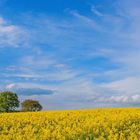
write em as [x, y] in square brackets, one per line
[96, 124]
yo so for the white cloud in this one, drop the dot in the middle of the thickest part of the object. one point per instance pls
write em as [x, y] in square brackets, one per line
[136, 98]
[119, 99]
[11, 35]
[88, 21]
[96, 12]
[10, 86]
[40, 67]
[125, 99]
[125, 86]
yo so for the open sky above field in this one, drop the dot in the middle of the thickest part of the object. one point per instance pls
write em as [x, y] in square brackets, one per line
[71, 53]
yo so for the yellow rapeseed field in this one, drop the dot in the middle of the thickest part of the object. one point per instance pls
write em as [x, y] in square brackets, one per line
[96, 124]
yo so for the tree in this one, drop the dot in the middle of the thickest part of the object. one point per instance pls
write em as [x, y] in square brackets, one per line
[31, 105]
[8, 101]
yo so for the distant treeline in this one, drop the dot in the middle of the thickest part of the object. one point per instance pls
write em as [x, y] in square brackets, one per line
[9, 102]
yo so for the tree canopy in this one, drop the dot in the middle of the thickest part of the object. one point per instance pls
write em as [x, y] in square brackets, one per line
[8, 101]
[31, 105]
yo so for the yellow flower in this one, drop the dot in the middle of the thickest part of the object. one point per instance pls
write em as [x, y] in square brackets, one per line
[97, 124]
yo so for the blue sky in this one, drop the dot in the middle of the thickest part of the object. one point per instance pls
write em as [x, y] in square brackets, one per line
[71, 54]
